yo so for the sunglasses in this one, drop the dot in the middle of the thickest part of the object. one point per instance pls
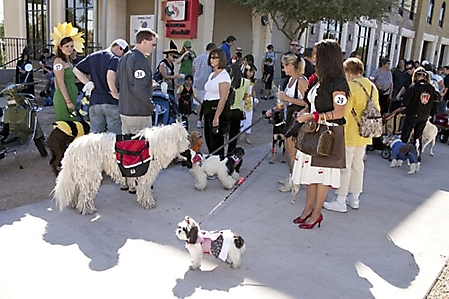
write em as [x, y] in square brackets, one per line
[409, 68]
[294, 45]
[124, 50]
[215, 57]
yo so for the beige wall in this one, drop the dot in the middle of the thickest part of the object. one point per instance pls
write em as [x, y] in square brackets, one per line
[430, 34]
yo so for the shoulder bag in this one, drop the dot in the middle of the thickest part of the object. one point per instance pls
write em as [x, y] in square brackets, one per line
[315, 139]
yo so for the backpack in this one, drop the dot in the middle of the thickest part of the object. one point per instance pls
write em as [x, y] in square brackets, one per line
[157, 76]
[370, 123]
[231, 97]
[133, 155]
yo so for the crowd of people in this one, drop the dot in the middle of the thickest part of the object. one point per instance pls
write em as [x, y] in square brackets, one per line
[318, 85]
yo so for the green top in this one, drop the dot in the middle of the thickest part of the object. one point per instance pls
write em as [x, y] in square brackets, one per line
[61, 112]
[187, 63]
[239, 93]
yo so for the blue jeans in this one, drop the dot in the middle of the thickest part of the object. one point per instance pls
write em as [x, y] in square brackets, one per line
[102, 115]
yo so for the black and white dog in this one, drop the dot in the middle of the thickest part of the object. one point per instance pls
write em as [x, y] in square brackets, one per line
[227, 169]
[278, 122]
[222, 244]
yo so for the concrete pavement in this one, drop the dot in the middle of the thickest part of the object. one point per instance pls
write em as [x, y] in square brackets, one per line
[394, 246]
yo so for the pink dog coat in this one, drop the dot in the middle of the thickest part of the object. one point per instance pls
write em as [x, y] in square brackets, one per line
[216, 243]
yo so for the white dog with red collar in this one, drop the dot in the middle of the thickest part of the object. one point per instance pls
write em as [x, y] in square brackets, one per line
[227, 169]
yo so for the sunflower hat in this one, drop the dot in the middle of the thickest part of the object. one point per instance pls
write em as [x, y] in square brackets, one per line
[67, 30]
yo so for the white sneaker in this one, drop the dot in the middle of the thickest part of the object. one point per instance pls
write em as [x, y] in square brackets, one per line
[284, 181]
[335, 206]
[353, 203]
[285, 188]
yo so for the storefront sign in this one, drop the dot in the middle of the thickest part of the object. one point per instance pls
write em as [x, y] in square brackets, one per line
[181, 18]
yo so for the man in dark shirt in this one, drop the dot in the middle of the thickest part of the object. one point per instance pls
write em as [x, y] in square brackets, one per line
[409, 69]
[134, 81]
[102, 67]
[399, 76]
[445, 91]
[309, 58]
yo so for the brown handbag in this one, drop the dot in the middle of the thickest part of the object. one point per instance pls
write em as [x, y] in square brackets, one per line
[315, 139]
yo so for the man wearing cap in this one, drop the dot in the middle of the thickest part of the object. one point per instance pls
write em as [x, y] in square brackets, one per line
[102, 67]
[186, 59]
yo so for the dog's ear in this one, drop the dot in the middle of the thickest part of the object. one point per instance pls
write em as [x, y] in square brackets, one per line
[193, 234]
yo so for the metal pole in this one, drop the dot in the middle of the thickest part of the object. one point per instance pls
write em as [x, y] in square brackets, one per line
[105, 21]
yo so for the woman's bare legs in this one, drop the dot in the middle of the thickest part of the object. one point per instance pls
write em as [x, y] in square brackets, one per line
[316, 198]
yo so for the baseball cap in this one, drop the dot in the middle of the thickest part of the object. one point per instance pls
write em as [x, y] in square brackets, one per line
[122, 43]
[187, 43]
[425, 62]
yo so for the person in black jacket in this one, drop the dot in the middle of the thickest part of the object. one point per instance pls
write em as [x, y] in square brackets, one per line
[419, 102]
[134, 81]
[22, 76]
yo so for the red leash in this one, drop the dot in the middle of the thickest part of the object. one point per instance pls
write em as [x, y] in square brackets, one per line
[239, 183]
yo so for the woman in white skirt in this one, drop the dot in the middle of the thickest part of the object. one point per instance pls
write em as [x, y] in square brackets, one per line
[326, 102]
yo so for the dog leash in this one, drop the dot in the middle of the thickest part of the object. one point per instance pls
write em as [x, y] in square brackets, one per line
[239, 183]
[235, 137]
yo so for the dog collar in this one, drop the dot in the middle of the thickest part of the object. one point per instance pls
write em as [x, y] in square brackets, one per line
[197, 159]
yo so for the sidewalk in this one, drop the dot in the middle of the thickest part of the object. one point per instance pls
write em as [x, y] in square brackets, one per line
[394, 246]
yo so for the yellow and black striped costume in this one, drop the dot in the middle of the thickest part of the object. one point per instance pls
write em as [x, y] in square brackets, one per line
[73, 128]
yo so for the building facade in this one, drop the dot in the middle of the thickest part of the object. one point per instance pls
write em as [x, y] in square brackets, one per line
[415, 29]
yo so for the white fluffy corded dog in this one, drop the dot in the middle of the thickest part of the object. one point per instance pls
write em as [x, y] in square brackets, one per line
[222, 244]
[88, 156]
[226, 169]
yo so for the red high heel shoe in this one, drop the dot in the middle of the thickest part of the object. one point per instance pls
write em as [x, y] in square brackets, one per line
[312, 225]
[299, 220]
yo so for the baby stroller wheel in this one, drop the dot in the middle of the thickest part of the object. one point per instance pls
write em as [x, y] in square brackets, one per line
[386, 153]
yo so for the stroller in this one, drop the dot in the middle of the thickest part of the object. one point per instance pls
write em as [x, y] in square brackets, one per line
[392, 122]
[168, 111]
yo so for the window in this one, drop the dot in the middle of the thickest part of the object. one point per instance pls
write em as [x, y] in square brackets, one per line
[430, 12]
[332, 30]
[81, 14]
[442, 11]
[412, 9]
[385, 46]
[363, 38]
[36, 22]
[401, 8]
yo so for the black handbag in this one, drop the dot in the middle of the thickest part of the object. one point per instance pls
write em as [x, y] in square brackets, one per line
[315, 139]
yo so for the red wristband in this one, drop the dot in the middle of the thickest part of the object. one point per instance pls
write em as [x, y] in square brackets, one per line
[316, 116]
